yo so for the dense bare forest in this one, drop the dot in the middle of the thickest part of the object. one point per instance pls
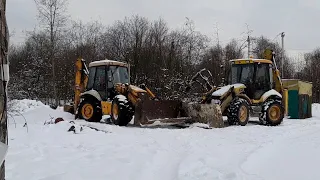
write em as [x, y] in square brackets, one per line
[162, 58]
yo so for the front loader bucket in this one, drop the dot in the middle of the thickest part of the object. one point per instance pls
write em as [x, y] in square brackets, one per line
[174, 112]
[162, 112]
[209, 114]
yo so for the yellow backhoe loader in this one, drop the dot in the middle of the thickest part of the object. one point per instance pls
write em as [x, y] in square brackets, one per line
[255, 88]
[104, 89]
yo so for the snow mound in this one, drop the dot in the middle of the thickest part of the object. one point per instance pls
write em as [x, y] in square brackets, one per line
[16, 107]
[316, 110]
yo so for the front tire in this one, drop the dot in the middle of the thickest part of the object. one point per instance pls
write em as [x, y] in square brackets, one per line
[121, 111]
[90, 110]
[272, 113]
[238, 112]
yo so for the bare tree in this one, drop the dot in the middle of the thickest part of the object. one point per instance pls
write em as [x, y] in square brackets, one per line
[159, 57]
[311, 72]
[52, 15]
[212, 60]
[262, 43]
[231, 51]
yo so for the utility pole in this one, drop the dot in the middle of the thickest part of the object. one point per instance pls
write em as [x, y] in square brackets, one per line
[218, 40]
[248, 40]
[282, 53]
[220, 56]
[217, 33]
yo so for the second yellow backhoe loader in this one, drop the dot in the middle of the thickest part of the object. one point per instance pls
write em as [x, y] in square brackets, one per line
[254, 88]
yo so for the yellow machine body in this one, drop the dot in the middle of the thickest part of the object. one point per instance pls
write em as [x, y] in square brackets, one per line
[91, 103]
[248, 89]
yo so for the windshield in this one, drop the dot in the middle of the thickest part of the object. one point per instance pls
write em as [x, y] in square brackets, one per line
[92, 72]
[118, 74]
[242, 73]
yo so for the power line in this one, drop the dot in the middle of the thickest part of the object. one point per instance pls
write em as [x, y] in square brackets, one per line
[276, 37]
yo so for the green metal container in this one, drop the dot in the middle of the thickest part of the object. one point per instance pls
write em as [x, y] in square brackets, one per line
[293, 104]
[299, 98]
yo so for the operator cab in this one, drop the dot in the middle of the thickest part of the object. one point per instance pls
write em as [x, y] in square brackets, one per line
[104, 74]
[255, 74]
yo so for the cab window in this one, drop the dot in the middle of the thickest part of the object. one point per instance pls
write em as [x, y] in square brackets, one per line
[262, 80]
[263, 77]
[242, 74]
[100, 82]
[92, 72]
[118, 74]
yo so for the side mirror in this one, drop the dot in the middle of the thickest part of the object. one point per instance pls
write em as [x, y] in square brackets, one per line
[110, 78]
[109, 74]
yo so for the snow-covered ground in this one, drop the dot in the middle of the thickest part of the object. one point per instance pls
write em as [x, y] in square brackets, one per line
[254, 152]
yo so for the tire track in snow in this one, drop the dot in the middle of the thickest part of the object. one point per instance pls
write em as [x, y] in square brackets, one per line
[284, 137]
[165, 162]
[163, 156]
[240, 172]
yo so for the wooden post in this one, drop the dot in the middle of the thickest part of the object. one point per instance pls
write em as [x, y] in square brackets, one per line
[4, 39]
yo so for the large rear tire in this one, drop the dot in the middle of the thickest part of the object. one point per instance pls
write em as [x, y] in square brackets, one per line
[272, 113]
[90, 110]
[121, 111]
[238, 112]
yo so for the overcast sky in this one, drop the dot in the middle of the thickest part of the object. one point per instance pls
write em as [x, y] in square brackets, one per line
[299, 19]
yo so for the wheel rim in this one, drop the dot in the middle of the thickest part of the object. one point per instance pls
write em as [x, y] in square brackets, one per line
[115, 111]
[87, 111]
[243, 113]
[274, 113]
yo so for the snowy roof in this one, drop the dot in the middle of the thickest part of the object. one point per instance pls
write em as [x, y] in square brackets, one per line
[253, 60]
[107, 62]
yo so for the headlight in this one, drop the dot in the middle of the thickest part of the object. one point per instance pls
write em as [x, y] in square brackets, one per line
[216, 101]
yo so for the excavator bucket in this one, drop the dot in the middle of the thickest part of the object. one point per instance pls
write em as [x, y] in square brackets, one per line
[175, 112]
[209, 114]
[160, 112]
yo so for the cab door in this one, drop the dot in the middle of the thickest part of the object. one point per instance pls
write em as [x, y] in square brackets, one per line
[100, 82]
[262, 80]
